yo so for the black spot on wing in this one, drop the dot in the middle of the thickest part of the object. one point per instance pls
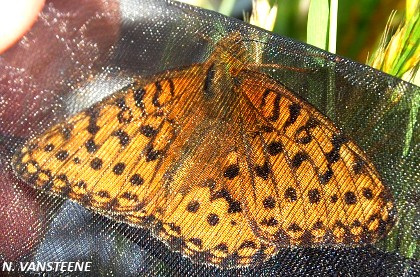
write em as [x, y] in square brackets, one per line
[274, 148]
[49, 147]
[290, 194]
[197, 242]
[367, 193]
[350, 198]
[136, 180]
[231, 171]
[269, 202]
[334, 198]
[193, 206]
[358, 165]
[91, 146]
[148, 131]
[129, 196]
[314, 196]
[152, 154]
[96, 164]
[212, 219]
[76, 160]
[62, 155]
[120, 103]
[118, 169]
[263, 171]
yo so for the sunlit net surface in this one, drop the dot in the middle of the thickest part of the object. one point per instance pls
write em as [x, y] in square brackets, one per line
[215, 147]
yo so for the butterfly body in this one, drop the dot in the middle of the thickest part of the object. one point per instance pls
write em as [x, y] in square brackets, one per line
[221, 162]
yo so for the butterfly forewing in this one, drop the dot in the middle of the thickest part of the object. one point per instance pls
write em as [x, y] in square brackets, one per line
[221, 162]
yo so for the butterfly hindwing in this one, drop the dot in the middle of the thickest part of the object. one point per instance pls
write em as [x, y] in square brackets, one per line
[315, 184]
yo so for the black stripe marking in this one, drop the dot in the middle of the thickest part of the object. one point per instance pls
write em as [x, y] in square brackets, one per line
[337, 141]
[93, 114]
[326, 177]
[152, 154]
[248, 244]
[138, 95]
[158, 91]
[270, 222]
[175, 228]
[298, 159]
[171, 87]
[209, 80]
[275, 112]
[222, 247]
[294, 228]
[103, 194]
[294, 112]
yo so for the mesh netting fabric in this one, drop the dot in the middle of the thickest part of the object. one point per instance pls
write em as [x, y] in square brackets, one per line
[78, 53]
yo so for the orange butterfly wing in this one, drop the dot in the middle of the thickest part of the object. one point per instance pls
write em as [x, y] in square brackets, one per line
[223, 164]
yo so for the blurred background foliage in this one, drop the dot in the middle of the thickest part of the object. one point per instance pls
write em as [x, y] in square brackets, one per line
[359, 30]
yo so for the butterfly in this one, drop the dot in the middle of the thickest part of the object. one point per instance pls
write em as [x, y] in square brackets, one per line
[219, 160]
